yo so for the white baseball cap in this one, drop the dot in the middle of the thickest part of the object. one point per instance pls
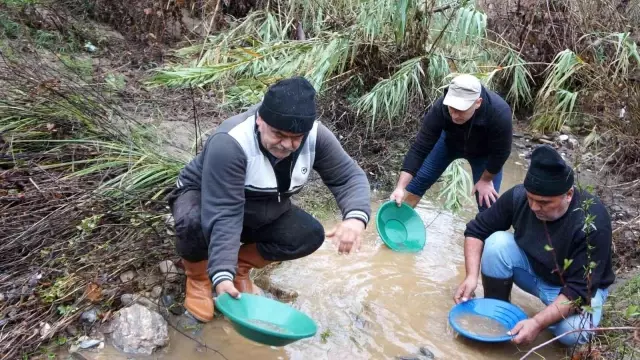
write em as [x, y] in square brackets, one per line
[463, 91]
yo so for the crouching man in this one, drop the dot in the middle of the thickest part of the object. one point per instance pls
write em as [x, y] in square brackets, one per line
[547, 254]
[231, 206]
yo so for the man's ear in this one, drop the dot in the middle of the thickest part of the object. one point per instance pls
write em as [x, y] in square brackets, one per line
[478, 103]
[570, 194]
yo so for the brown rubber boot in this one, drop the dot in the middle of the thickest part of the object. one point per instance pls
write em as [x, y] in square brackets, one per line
[198, 300]
[248, 258]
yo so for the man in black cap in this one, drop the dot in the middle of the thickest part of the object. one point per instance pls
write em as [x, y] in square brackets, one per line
[231, 204]
[547, 253]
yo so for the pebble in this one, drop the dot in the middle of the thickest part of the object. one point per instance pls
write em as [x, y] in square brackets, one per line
[89, 316]
[168, 270]
[426, 352]
[88, 344]
[126, 299]
[616, 208]
[563, 137]
[156, 292]
[72, 330]
[45, 328]
[573, 143]
[127, 276]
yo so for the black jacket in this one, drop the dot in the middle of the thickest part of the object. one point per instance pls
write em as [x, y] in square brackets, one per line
[488, 133]
[567, 237]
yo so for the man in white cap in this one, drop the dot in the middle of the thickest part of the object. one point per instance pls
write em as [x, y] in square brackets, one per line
[469, 121]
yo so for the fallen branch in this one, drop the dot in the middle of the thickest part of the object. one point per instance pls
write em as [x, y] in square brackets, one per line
[626, 224]
[575, 331]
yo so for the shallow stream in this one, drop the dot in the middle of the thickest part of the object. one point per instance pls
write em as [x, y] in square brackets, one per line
[376, 304]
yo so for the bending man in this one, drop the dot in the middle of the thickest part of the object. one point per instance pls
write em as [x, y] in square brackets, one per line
[470, 122]
[231, 206]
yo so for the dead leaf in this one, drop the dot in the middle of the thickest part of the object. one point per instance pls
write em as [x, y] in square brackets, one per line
[94, 292]
[51, 126]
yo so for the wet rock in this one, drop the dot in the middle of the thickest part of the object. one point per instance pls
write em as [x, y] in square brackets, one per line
[517, 135]
[89, 316]
[128, 276]
[88, 344]
[169, 270]
[130, 299]
[521, 146]
[168, 301]
[138, 330]
[427, 353]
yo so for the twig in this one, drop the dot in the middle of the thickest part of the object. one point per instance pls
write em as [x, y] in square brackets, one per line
[575, 331]
[617, 230]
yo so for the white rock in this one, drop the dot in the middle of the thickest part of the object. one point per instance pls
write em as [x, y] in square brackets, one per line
[128, 276]
[45, 330]
[138, 330]
[169, 270]
[563, 137]
[156, 292]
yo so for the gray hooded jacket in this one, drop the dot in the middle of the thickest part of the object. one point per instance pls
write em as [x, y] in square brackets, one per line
[240, 186]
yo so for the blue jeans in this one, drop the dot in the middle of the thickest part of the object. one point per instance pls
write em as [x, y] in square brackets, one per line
[437, 162]
[502, 258]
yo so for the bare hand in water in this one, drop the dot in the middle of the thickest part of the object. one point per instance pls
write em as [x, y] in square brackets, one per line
[465, 290]
[348, 234]
[525, 331]
[227, 287]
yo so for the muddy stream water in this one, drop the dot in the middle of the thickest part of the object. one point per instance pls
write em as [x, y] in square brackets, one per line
[375, 304]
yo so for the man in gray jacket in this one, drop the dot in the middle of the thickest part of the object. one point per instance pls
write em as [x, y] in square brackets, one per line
[231, 204]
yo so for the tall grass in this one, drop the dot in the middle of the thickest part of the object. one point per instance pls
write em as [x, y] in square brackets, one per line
[404, 49]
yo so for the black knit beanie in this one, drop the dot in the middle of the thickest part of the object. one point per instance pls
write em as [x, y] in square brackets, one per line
[548, 174]
[289, 105]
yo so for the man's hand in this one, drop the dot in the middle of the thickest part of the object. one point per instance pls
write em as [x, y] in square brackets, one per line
[227, 287]
[486, 192]
[398, 195]
[525, 331]
[348, 234]
[466, 290]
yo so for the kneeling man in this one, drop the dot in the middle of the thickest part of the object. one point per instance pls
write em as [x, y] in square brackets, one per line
[547, 254]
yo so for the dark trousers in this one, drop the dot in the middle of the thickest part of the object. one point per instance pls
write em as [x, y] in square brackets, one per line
[293, 235]
[437, 162]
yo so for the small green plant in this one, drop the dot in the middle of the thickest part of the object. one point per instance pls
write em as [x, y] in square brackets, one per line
[456, 186]
[324, 336]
